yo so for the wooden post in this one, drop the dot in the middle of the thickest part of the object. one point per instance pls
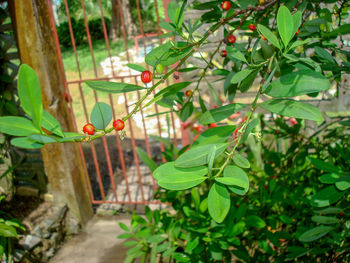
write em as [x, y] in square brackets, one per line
[63, 164]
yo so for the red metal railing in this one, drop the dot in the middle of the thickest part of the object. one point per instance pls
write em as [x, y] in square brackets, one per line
[69, 85]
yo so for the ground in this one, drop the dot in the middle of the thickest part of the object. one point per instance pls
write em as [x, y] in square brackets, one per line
[97, 243]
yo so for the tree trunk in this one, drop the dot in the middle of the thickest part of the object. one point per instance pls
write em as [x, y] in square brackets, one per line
[116, 30]
[63, 164]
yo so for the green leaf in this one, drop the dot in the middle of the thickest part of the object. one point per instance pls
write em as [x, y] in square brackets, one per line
[30, 94]
[174, 178]
[241, 179]
[215, 135]
[130, 243]
[341, 30]
[323, 166]
[296, 22]
[172, 89]
[198, 155]
[218, 202]
[329, 178]
[294, 109]
[172, 7]
[325, 220]
[286, 219]
[187, 69]
[285, 24]
[101, 115]
[343, 183]
[297, 83]
[241, 161]
[192, 244]
[145, 159]
[156, 238]
[181, 257]
[299, 43]
[124, 227]
[112, 87]
[180, 14]
[329, 210]
[7, 231]
[167, 26]
[269, 35]
[41, 138]
[206, 5]
[324, 55]
[234, 53]
[221, 72]
[26, 143]
[248, 81]
[218, 114]
[136, 67]
[51, 124]
[315, 233]
[17, 126]
[69, 136]
[255, 221]
[165, 55]
[240, 75]
[326, 197]
[214, 94]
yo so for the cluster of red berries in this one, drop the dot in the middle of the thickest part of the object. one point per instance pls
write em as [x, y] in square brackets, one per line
[90, 129]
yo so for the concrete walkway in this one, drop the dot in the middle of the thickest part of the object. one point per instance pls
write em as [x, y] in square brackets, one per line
[98, 243]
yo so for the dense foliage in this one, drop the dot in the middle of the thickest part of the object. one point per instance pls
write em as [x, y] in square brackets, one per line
[283, 214]
[78, 27]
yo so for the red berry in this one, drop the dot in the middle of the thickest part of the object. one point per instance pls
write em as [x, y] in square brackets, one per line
[223, 53]
[89, 129]
[265, 186]
[345, 80]
[277, 131]
[212, 125]
[146, 76]
[232, 39]
[274, 177]
[340, 214]
[188, 93]
[118, 124]
[293, 121]
[252, 27]
[297, 33]
[264, 38]
[237, 205]
[226, 5]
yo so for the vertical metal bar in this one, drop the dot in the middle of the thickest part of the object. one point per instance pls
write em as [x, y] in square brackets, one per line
[146, 136]
[130, 123]
[108, 159]
[82, 95]
[110, 169]
[120, 150]
[71, 110]
[134, 150]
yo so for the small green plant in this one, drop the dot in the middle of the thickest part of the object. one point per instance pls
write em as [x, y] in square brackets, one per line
[9, 228]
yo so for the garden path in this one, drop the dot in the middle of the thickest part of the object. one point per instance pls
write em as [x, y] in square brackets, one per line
[97, 243]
